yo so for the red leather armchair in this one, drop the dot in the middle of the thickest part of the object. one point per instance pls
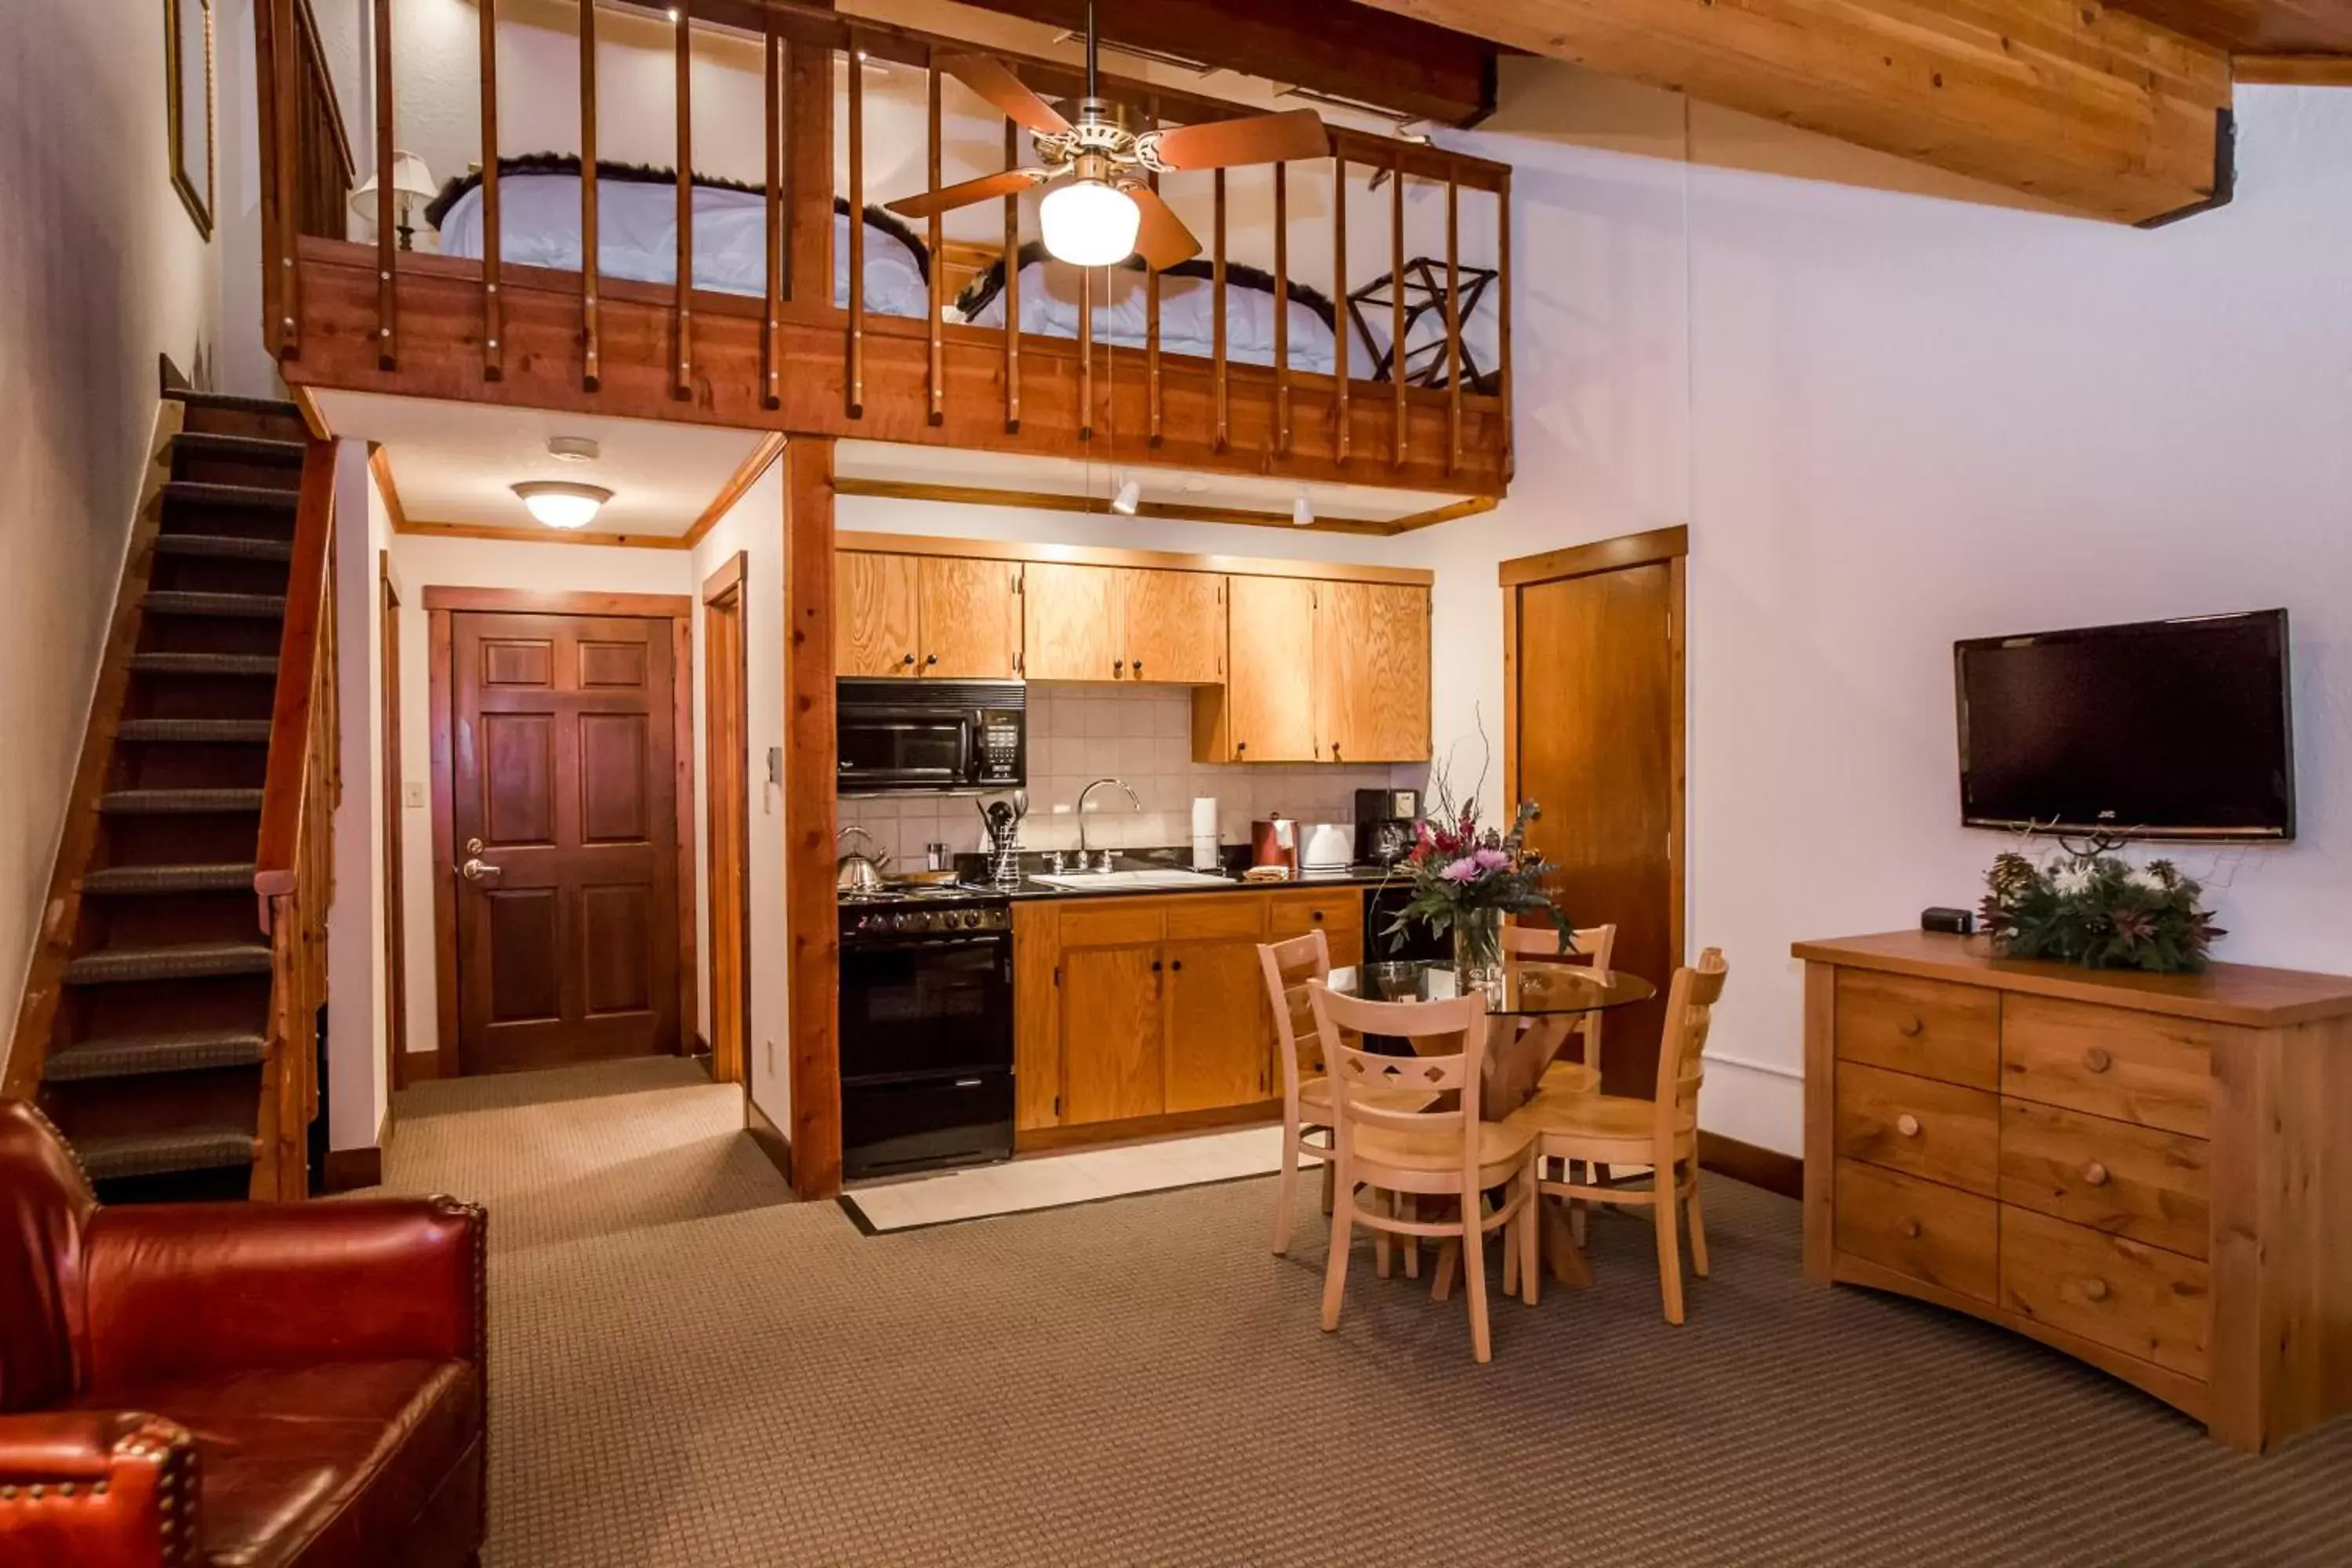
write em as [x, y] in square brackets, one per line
[211, 1384]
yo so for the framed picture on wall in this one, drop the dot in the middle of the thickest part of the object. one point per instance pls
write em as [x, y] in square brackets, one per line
[188, 88]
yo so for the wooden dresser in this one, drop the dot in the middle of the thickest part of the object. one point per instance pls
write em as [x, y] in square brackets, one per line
[2150, 1173]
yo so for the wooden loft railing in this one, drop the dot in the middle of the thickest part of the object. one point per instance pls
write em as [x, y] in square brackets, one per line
[315, 147]
[375, 318]
[294, 868]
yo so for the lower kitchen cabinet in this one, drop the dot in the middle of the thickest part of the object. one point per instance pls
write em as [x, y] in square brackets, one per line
[1217, 1025]
[1112, 1063]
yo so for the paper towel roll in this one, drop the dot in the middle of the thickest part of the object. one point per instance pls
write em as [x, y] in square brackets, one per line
[1204, 814]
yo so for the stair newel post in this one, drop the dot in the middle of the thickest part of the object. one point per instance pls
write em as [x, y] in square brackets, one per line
[387, 220]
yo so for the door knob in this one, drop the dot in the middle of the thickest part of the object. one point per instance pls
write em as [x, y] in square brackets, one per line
[476, 868]
[475, 847]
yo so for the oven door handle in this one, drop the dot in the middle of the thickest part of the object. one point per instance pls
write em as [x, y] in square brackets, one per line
[939, 944]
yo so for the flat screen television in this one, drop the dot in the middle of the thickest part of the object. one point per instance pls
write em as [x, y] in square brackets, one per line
[2157, 730]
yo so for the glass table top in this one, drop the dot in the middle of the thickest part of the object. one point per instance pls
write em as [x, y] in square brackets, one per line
[1531, 988]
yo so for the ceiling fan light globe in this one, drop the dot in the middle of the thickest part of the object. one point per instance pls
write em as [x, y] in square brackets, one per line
[1090, 224]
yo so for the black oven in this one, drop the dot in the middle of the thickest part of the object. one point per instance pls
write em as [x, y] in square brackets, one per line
[900, 736]
[925, 1033]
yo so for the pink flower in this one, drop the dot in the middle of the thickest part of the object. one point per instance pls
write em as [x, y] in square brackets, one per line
[1466, 869]
[1491, 860]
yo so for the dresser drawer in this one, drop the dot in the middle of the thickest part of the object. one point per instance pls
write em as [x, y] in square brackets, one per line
[1940, 1130]
[2125, 1066]
[2140, 1300]
[1930, 1233]
[2112, 1176]
[1930, 1028]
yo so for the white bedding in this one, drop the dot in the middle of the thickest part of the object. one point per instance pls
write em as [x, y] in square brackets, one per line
[637, 236]
[1049, 305]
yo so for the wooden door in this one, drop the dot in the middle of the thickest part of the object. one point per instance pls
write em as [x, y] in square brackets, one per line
[1070, 623]
[564, 773]
[1371, 672]
[726, 769]
[874, 617]
[1112, 1066]
[1270, 682]
[1217, 1029]
[1173, 625]
[1595, 668]
[969, 613]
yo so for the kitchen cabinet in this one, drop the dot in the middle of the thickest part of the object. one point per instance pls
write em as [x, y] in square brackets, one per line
[935, 615]
[1112, 1067]
[1121, 622]
[1217, 1039]
[1371, 672]
[1264, 712]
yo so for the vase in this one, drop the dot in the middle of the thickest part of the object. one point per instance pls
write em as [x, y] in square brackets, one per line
[1478, 952]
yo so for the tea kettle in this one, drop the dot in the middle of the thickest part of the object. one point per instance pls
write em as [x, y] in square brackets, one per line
[856, 873]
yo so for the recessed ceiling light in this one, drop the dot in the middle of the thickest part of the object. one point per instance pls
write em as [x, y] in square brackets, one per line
[561, 505]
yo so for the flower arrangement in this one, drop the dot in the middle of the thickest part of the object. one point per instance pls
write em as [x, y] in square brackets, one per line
[1465, 877]
[2093, 910]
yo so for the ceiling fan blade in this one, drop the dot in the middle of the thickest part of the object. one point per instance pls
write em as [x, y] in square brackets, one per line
[1163, 240]
[1221, 143]
[950, 197]
[995, 81]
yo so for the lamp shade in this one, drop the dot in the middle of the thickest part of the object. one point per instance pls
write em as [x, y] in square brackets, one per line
[1088, 223]
[410, 177]
[563, 506]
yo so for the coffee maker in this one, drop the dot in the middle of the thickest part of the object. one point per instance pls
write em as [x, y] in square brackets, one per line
[1385, 819]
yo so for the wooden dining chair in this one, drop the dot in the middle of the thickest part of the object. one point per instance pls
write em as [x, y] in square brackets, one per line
[1289, 966]
[1595, 943]
[1433, 1152]
[1661, 1132]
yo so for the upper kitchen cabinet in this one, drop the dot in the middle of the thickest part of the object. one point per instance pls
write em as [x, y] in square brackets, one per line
[1371, 672]
[1265, 710]
[1124, 623]
[940, 617]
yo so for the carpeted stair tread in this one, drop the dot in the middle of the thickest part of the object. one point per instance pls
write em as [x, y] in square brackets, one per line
[250, 448]
[196, 732]
[134, 1056]
[207, 492]
[163, 1154]
[242, 664]
[178, 802]
[132, 881]
[248, 606]
[183, 961]
[225, 546]
[237, 401]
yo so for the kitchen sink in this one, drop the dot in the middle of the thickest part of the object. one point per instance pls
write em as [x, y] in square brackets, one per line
[1169, 877]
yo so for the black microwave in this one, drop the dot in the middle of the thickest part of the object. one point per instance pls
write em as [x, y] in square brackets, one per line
[911, 736]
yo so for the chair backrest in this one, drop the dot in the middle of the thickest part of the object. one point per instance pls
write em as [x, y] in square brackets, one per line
[1682, 1044]
[1593, 943]
[1289, 966]
[45, 1204]
[1362, 1082]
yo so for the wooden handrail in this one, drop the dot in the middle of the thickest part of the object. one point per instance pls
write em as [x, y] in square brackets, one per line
[301, 648]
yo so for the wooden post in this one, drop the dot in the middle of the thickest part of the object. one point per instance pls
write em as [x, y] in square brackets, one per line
[1152, 399]
[811, 930]
[772, 82]
[857, 230]
[1343, 325]
[285, 272]
[1012, 285]
[808, 174]
[682, 291]
[1396, 301]
[387, 344]
[1452, 322]
[1503, 320]
[1217, 308]
[1282, 309]
[491, 363]
[589, 266]
[936, 367]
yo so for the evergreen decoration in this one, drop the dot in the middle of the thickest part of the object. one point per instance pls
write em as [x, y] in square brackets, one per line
[2096, 911]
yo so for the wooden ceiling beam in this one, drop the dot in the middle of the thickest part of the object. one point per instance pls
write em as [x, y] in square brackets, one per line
[1333, 47]
[2094, 109]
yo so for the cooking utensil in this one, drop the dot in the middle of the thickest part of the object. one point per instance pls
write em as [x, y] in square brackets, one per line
[855, 873]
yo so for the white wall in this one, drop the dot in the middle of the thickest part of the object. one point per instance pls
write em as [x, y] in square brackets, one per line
[421, 561]
[101, 270]
[357, 1090]
[1892, 422]
[755, 526]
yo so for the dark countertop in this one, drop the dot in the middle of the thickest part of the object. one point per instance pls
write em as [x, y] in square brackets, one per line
[973, 868]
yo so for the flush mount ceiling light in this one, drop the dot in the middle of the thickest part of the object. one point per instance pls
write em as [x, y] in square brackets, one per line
[1129, 497]
[562, 505]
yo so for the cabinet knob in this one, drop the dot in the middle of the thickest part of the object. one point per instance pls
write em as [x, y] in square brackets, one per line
[1155, 966]
[1907, 1125]
[2094, 1290]
[2096, 1059]
[1335, 751]
[909, 660]
[1240, 746]
[1911, 1229]
[1117, 665]
[1318, 917]
[2095, 1174]
[1177, 966]
[1911, 1028]
[931, 660]
[1138, 669]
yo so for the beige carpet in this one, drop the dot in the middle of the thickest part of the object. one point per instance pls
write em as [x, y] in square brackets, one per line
[690, 1369]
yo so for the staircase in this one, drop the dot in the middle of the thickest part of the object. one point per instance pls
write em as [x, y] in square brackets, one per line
[159, 1031]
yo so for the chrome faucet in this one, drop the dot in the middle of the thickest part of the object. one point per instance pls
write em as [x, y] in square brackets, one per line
[1135, 799]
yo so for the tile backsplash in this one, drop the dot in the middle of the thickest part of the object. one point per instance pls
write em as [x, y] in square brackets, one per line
[1143, 735]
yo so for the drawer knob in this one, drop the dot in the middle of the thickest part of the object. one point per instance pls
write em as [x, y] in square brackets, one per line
[2094, 1290]
[1912, 1027]
[2095, 1174]
[1907, 1125]
[2096, 1059]
[1911, 1229]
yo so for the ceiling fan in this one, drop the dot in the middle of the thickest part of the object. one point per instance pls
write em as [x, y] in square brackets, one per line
[1106, 212]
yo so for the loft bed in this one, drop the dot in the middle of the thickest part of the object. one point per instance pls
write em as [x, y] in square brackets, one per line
[516, 309]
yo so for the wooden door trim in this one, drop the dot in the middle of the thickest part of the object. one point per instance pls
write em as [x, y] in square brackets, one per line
[723, 590]
[1671, 547]
[811, 906]
[395, 974]
[441, 605]
[1600, 556]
